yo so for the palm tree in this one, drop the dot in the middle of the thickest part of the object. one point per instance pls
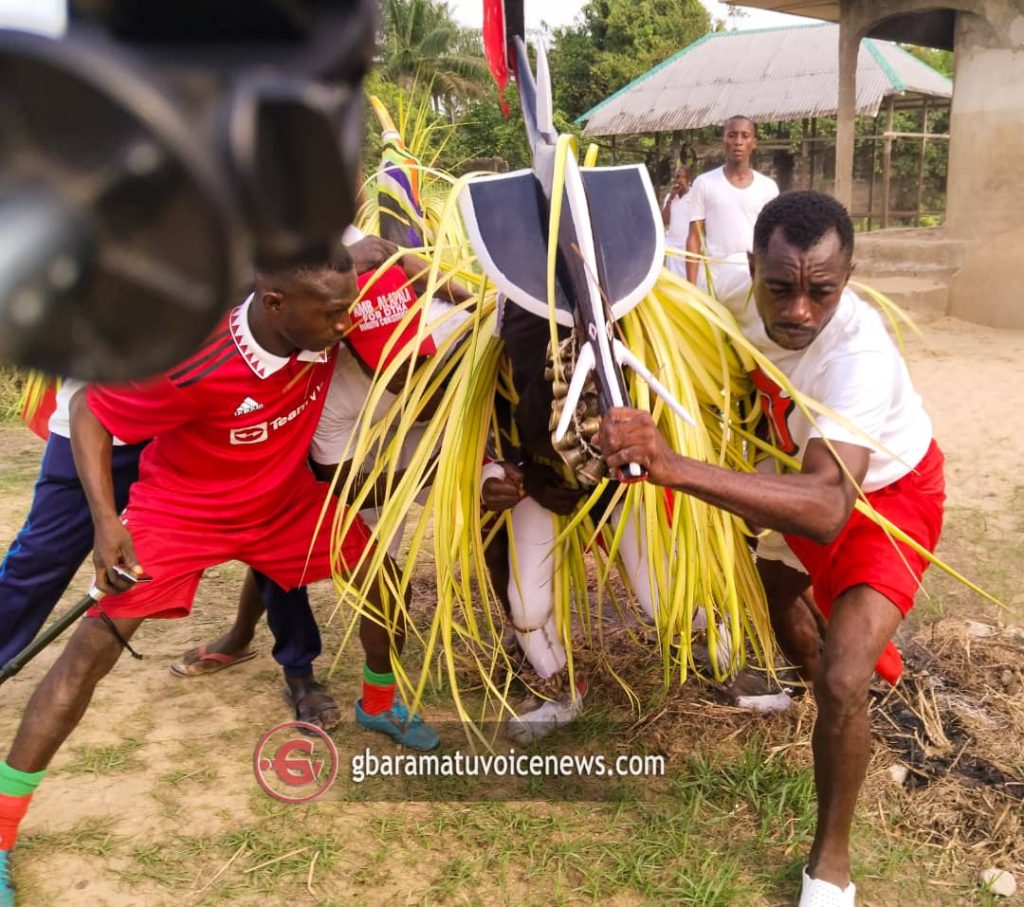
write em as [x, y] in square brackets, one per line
[422, 44]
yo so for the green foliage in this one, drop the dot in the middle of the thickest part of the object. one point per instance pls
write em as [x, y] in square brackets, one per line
[942, 60]
[483, 131]
[422, 44]
[614, 42]
[423, 51]
[479, 130]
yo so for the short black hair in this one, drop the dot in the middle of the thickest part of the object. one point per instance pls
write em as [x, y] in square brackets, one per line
[805, 217]
[739, 116]
[337, 258]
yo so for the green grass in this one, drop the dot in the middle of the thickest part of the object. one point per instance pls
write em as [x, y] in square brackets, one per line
[681, 848]
[104, 760]
[92, 837]
[731, 827]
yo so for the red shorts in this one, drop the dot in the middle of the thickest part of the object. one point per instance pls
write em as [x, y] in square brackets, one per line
[175, 552]
[864, 554]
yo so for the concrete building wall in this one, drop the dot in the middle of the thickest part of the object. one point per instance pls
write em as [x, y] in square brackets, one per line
[985, 206]
[985, 188]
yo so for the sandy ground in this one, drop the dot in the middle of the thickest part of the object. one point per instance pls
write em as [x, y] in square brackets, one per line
[972, 379]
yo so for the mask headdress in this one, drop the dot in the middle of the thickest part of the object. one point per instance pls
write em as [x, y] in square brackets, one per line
[580, 246]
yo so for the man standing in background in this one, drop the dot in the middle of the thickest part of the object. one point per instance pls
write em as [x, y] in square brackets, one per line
[675, 213]
[724, 203]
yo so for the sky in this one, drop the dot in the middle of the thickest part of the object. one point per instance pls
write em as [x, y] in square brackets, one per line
[561, 12]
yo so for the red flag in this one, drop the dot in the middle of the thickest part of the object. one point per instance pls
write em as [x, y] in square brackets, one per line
[495, 46]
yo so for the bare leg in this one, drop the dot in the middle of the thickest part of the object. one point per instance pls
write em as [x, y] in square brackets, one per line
[798, 627]
[63, 695]
[862, 622]
[385, 634]
[236, 640]
[250, 611]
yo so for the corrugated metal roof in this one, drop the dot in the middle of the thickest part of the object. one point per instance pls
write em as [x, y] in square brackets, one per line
[766, 74]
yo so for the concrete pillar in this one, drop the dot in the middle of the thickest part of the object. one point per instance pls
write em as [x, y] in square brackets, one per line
[985, 202]
[849, 46]
[887, 160]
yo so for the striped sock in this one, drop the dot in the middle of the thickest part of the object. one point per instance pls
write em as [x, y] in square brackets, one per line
[378, 691]
[16, 790]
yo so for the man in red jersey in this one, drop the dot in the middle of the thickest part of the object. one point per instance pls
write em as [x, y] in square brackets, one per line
[224, 478]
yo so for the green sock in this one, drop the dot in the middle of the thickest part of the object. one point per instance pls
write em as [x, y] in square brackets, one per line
[18, 784]
[378, 680]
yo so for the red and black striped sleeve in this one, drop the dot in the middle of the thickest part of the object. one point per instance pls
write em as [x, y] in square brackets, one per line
[144, 409]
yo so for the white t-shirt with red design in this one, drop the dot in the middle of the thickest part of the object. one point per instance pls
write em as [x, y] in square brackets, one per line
[853, 368]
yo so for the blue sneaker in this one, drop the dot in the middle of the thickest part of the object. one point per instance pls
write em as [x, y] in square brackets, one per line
[6, 885]
[396, 724]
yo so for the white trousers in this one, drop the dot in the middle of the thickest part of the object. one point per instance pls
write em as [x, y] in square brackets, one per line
[531, 587]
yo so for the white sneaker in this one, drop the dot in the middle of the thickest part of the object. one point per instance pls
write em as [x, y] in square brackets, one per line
[550, 714]
[766, 703]
[818, 893]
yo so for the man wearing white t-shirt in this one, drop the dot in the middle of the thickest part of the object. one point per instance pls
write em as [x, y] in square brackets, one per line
[725, 203]
[834, 348]
[675, 213]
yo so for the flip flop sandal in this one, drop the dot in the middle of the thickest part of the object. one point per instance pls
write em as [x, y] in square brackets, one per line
[207, 662]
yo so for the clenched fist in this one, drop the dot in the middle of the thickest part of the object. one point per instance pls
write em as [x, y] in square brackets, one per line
[630, 436]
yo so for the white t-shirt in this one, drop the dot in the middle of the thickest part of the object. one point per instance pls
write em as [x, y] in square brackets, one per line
[60, 418]
[678, 221]
[339, 422]
[352, 235]
[729, 213]
[853, 368]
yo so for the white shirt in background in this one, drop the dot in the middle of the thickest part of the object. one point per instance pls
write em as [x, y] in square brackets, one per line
[678, 221]
[729, 213]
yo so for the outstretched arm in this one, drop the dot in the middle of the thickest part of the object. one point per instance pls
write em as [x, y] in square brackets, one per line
[815, 502]
[91, 445]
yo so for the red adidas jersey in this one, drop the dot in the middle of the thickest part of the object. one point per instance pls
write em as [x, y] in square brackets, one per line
[231, 427]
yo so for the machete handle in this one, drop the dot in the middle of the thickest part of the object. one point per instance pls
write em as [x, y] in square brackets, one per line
[631, 478]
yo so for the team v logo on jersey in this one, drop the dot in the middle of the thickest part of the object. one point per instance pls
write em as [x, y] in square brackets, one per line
[248, 405]
[251, 434]
[255, 434]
